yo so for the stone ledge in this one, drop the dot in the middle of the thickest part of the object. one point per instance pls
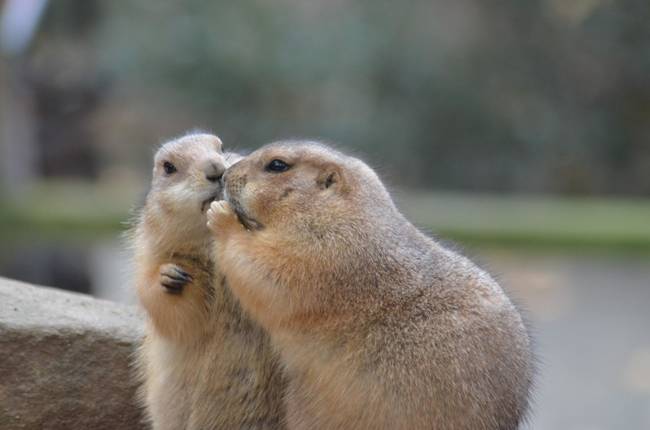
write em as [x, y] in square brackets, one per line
[65, 360]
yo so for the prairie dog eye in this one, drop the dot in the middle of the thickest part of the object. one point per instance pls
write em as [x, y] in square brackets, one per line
[277, 166]
[169, 168]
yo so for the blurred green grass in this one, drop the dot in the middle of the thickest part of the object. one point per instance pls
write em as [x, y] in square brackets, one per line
[67, 211]
[81, 211]
[532, 221]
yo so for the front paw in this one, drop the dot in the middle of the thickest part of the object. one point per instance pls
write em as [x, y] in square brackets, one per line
[221, 218]
[173, 278]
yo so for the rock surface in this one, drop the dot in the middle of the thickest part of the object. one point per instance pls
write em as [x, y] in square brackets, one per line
[65, 360]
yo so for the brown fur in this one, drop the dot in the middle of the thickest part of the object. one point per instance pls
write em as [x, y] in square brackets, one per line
[378, 326]
[204, 363]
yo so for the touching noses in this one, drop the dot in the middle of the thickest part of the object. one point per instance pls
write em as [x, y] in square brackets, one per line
[214, 170]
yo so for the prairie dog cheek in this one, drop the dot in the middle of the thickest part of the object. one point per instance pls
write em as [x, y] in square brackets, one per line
[259, 200]
[177, 198]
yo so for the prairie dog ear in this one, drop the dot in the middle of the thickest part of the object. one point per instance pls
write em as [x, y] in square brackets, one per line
[332, 177]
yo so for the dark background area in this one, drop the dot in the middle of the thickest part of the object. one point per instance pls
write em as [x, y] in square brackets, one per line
[537, 96]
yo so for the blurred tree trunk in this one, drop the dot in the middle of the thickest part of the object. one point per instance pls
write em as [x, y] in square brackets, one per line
[18, 165]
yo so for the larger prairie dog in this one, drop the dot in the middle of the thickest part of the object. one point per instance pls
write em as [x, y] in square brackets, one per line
[204, 364]
[379, 326]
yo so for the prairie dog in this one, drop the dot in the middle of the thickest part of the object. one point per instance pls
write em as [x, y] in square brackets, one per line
[204, 363]
[378, 326]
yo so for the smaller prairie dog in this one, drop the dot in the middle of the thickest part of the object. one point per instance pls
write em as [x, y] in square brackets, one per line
[378, 326]
[204, 364]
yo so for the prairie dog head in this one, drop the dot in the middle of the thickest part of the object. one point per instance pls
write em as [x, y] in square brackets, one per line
[187, 176]
[316, 218]
[304, 185]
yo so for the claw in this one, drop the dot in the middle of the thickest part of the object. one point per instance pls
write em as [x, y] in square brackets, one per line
[174, 280]
[173, 287]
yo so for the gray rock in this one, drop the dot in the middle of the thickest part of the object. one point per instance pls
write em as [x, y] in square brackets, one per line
[65, 360]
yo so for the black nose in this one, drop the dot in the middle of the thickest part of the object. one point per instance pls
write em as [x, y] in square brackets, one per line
[214, 171]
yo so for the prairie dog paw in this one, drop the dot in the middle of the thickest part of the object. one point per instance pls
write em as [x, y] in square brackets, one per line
[220, 207]
[173, 278]
[221, 216]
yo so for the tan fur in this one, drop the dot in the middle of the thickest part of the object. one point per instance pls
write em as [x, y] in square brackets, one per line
[378, 326]
[204, 363]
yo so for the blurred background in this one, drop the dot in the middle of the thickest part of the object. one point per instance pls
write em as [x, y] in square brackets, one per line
[517, 130]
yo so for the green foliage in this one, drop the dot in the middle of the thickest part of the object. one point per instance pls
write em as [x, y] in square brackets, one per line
[542, 95]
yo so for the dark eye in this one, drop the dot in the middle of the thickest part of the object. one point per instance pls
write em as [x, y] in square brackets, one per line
[169, 168]
[277, 166]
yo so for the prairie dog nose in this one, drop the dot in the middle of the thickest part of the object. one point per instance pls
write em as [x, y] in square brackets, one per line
[214, 169]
